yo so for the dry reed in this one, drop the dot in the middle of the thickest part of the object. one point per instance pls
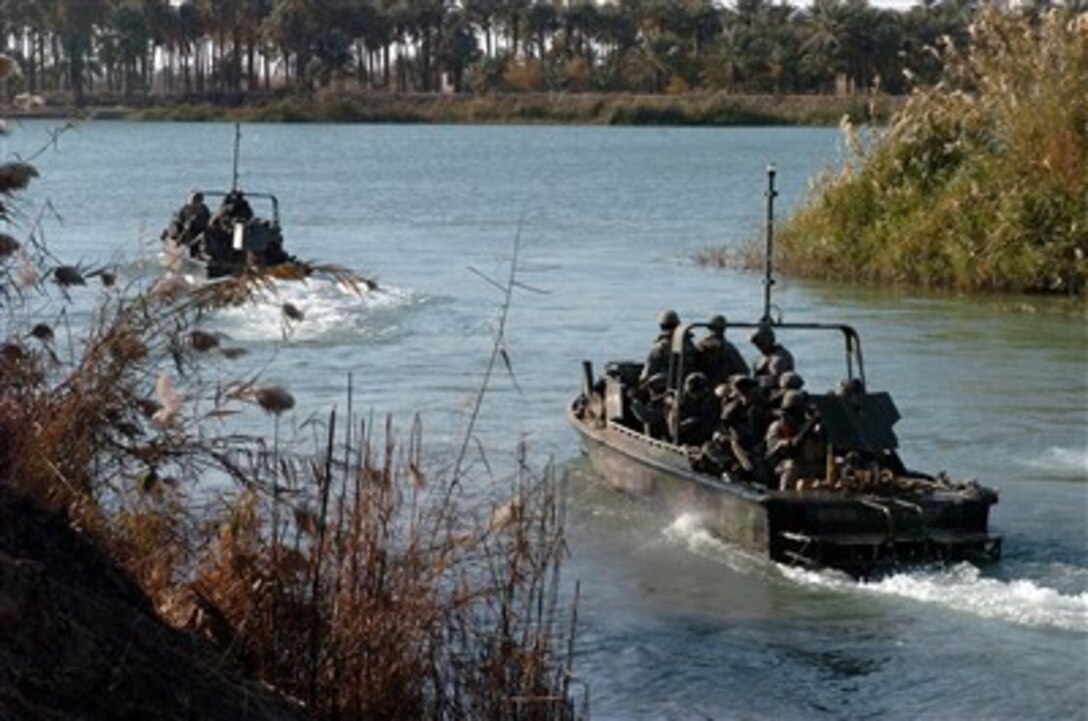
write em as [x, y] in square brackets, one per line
[350, 578]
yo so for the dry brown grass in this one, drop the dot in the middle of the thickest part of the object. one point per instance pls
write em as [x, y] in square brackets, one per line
[349, 576]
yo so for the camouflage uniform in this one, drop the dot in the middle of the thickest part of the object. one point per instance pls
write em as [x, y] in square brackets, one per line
[696, 415]
[719, 359]
[794, 447]
[775, 359]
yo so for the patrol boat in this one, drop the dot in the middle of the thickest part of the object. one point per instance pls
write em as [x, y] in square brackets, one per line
[862, 512]
[234, 240]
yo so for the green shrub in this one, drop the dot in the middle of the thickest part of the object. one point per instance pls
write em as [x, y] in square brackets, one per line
[979, 183]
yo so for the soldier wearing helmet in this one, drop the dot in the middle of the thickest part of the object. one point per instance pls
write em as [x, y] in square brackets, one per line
[743, 412]
[795, 448]
[648, 405]
[696, 414]
[774, 359]
[717, 358]
[788, 381]
[660, 356]
[189, 222]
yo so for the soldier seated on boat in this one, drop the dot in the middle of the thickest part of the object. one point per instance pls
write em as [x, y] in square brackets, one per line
[741, 424]
[788, 381]
[650, 405]
[717, 358]
[795, 448]
[695, 417]
[774, 359]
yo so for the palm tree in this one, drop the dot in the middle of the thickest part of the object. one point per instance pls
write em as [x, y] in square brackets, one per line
[541, 22]
[459, 49]
[75, 23]
[827, 29]
[481, 15]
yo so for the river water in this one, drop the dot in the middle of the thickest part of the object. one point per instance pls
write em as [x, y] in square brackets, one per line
[674, 624]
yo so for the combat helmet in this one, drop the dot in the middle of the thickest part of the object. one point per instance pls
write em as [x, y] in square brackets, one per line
[793, 400]
[668, 319]
[716, 322]
[695, 384]
[762, 337]
[790, 380]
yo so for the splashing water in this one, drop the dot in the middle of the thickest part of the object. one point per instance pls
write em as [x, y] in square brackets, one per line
[689, 531]
[963, 588]
[1070, 463]
[328, 309]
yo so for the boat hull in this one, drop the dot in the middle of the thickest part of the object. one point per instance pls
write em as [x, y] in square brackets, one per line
[855, 533]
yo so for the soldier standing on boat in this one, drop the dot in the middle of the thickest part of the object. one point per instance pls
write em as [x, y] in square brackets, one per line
[189, 222]
[718, 359]
[660, 358]
[775, 359]
[195, 217]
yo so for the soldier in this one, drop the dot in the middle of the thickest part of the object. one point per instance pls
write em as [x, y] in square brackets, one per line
[788, 381]
[741, 428]
[649, 406]
[195, 216]
[189, 221]
[696, 415]
[775, 359]
[661, 351]
[717, 358]
[794, 447]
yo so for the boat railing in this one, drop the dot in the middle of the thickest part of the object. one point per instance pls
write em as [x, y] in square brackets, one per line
[682, 346]
[272, 199]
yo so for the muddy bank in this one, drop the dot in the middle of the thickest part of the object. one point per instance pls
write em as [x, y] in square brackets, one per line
[79, 640]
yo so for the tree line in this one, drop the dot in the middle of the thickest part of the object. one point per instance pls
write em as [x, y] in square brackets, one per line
[217, 48]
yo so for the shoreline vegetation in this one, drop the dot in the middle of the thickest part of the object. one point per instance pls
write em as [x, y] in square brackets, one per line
[617, 109]
[978, 184]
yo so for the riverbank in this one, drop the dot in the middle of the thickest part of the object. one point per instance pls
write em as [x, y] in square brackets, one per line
[714, 110]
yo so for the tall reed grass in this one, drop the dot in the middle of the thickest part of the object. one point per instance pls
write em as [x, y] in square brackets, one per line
[980, 183]
[350, 577]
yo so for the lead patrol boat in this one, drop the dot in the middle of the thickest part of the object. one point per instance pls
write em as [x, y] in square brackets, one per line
[864, 512]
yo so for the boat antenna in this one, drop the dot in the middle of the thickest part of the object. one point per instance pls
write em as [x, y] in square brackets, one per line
[768, 279]
[237, 144]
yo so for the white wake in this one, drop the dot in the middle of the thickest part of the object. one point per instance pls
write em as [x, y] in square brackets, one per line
[963, 588]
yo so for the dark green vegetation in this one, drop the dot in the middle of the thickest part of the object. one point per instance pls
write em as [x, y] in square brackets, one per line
[227, 50]
[979, 184]
[349, 575]
[719, 109]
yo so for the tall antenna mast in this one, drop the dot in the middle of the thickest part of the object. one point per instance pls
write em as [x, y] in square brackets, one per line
[768, 279]
[237, 143]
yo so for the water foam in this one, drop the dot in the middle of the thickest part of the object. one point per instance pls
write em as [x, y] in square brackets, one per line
[1064, 462]
[329, 308]
[689, 531]
[963, 588]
